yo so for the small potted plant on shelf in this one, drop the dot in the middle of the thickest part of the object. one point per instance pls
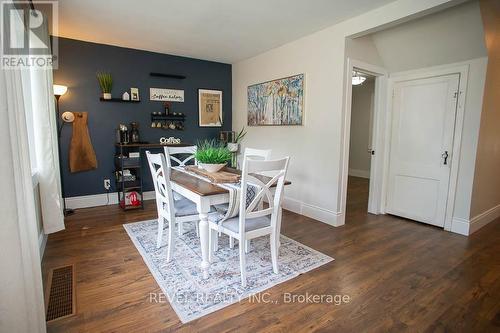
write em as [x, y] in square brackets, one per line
[212, 155]
[235, 146]
[106, 83]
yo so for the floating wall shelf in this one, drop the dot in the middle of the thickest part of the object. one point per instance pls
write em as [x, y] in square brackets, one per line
[117, 100]
[164, 121]
[171, 76]
[168, 117]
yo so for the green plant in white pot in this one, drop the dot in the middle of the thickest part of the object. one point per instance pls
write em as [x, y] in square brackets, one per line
[235, 146]
[106, 83]
[212, 155]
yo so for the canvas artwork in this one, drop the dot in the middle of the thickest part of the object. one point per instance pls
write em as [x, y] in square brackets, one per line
[277, 103]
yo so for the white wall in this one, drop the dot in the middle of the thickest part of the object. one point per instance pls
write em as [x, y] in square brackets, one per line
[363, 49]
[470, 134]
[361, 113]
[316, 147]
[449, 36]
[485, 205]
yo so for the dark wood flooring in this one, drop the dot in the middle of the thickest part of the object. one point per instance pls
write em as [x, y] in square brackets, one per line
[399, 275]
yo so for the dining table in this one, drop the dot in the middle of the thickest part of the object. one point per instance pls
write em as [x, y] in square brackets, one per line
[205, 194]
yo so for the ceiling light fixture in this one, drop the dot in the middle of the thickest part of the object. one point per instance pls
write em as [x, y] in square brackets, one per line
[357, 79]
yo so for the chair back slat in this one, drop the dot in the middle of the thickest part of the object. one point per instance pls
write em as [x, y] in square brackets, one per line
[171, 151]
[260, 213]
[263, 192]
[253, 210]
[161, 181]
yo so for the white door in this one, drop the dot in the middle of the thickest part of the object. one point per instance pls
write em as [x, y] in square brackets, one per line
[423, 122]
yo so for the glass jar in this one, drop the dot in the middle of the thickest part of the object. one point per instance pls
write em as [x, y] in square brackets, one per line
[134, 132]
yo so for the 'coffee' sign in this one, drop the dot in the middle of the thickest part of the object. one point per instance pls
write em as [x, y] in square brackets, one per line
[166, 95]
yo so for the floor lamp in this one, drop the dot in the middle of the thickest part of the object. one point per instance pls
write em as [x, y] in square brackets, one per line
[58, 92]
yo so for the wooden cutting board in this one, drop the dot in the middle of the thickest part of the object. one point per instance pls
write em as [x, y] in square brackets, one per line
[81, 153]
[218, 177]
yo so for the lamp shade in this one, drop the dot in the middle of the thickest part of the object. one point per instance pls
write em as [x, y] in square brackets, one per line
[59, 90]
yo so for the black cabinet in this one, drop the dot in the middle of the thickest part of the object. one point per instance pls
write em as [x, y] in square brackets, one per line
[128, 176]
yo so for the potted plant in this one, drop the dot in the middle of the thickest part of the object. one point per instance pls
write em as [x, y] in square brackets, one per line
[212, 155]
[235, 145]
[106, 83]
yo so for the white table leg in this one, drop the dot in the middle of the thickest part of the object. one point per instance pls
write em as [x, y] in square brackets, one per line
[204, 234]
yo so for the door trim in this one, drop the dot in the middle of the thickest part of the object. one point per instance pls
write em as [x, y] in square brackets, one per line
[463, 70]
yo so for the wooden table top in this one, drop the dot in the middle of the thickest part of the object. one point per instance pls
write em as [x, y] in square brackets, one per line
[205, 187]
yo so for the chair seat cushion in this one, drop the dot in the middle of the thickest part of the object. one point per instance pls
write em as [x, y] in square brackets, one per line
[250, 224]
[185, 207]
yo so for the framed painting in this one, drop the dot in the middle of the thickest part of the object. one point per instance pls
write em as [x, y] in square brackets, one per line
[210, 108]
[276, 103]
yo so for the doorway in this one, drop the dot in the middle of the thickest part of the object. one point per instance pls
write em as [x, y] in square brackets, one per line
[360, 142]
[389, 174]
[378, 125]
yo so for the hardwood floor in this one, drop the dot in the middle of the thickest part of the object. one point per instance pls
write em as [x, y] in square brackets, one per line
[400, 276]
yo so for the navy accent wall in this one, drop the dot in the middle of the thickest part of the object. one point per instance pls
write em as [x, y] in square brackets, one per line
[78, 63]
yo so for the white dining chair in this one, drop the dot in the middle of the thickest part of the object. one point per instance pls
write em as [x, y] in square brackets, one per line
[181, 156]
[258, 154]
[252, 221]
[173, 211]
[186, 155]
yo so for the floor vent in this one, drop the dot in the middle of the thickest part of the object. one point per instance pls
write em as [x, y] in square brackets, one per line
[61, 296]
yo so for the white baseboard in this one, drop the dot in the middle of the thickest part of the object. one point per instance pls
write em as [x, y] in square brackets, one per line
[359, 173]
[42, 241]
[468, 227]
[96, 200]
[479, 221]
[314, 212]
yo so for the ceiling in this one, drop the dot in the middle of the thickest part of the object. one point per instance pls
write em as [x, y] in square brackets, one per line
[219, 30]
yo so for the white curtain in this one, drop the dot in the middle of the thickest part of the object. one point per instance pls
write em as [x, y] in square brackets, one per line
[22, 307]
[47, 156]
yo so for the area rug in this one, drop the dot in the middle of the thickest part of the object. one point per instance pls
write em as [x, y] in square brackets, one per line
[182, 282]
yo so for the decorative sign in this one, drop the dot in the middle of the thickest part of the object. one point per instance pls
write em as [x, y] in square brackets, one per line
[171, 95]
[210, 107]
[171, 140]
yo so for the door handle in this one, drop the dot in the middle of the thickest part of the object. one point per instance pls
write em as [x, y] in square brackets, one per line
[445, 157]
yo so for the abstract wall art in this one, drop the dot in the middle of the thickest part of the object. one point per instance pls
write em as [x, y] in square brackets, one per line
[277, 103]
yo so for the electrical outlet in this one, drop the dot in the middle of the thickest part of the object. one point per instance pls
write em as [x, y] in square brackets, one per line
[107, 184]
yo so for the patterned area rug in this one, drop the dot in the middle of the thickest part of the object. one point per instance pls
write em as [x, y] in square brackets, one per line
[193, 297]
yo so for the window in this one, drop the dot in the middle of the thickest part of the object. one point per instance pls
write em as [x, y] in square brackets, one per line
[28, 108]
